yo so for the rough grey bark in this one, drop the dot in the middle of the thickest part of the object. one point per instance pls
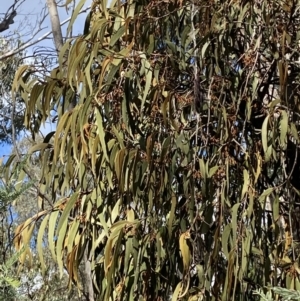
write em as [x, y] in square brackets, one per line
[55, 24]
[88, 276]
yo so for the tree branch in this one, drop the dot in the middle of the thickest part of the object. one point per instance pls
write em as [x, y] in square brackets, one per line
[31, 43]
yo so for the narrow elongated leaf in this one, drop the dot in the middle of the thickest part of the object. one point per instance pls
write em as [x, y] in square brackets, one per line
[40, 242]
[184, 249]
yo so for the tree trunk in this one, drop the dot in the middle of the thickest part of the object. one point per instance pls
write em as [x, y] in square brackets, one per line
[55, 24]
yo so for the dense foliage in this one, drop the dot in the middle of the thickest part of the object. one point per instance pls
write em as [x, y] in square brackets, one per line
[176, 174]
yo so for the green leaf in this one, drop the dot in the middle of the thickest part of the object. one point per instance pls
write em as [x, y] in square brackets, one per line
[283, 128]
[265, 194]
[172, 214]
[74, 15]
[40, 242]
[66, 212]
[225, 240]
[101, 134]
[212, 171]
[51, 229]
[117, 36]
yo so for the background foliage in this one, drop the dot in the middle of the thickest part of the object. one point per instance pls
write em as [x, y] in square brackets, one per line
[12, 112]
[176, 174]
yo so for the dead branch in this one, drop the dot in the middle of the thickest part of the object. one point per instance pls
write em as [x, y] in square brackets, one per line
[9, 16]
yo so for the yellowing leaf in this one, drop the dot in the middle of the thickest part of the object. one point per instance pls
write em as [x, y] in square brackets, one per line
[130, 215]
[185, 251]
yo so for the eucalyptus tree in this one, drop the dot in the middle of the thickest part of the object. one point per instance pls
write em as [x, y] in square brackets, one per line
[177, 172]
